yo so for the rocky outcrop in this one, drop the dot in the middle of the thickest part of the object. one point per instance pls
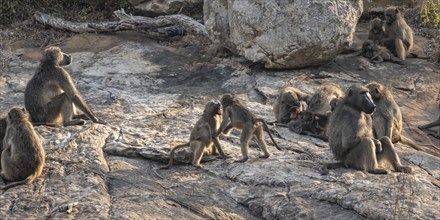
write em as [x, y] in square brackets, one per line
[164, 7]
[151, 95]
[283, 34]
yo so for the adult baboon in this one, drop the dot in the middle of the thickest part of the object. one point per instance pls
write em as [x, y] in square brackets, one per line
[51, 97]
[351, 138]
[378, 54]
[387, 119]
[433, 124]
[3, 124]
[243, 119]
[399, 36]
[203, 135]
[320, 101]
[376, 32]
[289, 103]
[312, 124]
[23, 156]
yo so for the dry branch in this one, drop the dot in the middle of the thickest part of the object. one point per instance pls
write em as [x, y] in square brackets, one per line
[158, 26]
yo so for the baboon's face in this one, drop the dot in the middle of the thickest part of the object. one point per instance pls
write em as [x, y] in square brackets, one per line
[226, 100]
[297, 108]
[375, 91]
[376, 25]
[16, 115]
[57, 57]
[391, 15]
[214, 108]
[359, 98]
[367, 45]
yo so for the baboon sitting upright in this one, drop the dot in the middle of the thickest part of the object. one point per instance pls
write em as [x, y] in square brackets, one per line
[387, 118]
[351, 137]
[433, 124]
[320, 101]
[289, 103]
[23, 156]
[376, 32]
[399, 36]
[51, 97]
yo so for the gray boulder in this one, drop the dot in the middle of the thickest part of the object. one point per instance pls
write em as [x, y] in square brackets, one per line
[283, 34]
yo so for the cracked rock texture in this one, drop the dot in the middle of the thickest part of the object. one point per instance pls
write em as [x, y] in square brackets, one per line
[151, 95]
[283, 34]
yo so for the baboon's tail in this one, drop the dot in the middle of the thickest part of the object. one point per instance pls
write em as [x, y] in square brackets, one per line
[170, 163]
[409, 142]
[28, 180]
[268, 131]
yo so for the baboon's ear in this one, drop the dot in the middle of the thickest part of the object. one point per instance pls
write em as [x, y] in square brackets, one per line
[396, 10]
[350, 92]
[376, 90]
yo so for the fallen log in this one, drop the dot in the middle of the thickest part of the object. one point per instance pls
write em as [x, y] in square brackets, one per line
[162, 26]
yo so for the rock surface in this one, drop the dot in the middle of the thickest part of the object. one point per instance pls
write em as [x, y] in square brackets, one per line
[379, 6]
[283, 34]
[151, 94]
[164, 7]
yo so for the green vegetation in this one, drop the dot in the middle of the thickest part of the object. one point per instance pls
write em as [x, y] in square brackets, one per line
[430, 12]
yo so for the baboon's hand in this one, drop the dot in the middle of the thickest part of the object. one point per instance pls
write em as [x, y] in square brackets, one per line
[378, 146]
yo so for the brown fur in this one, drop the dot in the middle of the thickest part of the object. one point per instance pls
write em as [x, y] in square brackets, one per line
[202, 135]
[289, 103]
[433, 124]
[242, 118]
[320, 101]
[399, 36]
[387, 118]
[51, 97]
[23, 156]
[351, 136]
[376, 32]
[3, 124]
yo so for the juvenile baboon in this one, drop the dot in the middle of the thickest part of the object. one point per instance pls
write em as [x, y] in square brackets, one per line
[351, 137]
[311, 124]
[399, 36]
[387, 119]
[243, 119]
[289, 103]
[376, 32]
[203, 135]
[433, 124]
[51, 97]
[23, 156]
[320, 101]
[378, 54]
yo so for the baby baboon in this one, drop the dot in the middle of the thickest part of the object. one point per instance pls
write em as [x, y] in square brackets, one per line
[320, 101]
[351, 138]
[433, 124]
[376, 32]
[242, 118]
[203, 134]
[51, 97]
[311, 124]
[387, 119]
[378, 54]
[289, 103]
[23, 156]
[399, 36]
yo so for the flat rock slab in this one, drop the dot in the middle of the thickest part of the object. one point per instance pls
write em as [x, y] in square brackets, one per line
[152, 94]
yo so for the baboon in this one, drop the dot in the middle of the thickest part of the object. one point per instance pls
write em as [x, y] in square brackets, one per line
[351, 137]
[387, 119]
[433, 124]
[243, 119]
[378, 54]
[311, 124]
[202, 135]
[399, 36]
[51, 97]
[3, 124]
[334, 103]
[320, 101]
[376, 32]
[289, 103]
[23, 156]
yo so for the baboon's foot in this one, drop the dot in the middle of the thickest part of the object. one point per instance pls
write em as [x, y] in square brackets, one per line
[75, 122]
[379, 171]
[404, 169]
[244, 159]
[265, 156]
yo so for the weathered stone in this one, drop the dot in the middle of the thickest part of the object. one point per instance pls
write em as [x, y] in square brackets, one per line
[283, 34]
[164, 7]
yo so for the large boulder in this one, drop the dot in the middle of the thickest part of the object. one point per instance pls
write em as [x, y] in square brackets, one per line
[280, 33]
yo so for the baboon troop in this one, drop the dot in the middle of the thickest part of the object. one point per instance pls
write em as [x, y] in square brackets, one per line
[203, 135]
[23, 157]
[350, 133]
[51, 97]
[236, 115]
